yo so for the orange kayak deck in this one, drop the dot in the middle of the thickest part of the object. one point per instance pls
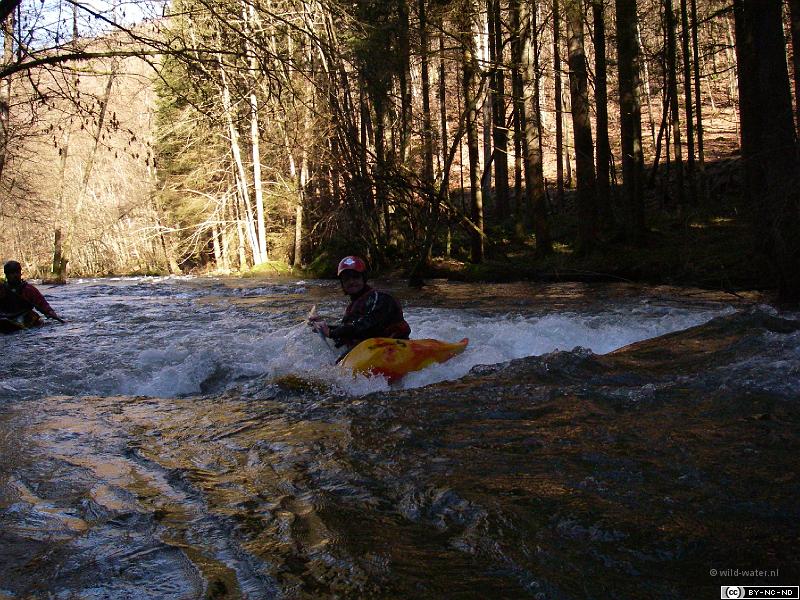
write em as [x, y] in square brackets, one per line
[395, 358]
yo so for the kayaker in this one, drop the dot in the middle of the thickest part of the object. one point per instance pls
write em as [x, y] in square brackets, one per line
[370, 314]
[18, 298]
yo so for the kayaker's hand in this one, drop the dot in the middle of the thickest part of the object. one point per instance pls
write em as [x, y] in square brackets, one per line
[319, 326]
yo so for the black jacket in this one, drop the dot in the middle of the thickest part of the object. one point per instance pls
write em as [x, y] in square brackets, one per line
[370, 314]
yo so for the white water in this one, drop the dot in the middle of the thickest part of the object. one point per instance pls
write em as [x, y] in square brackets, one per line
[506, 337]
[170, 337]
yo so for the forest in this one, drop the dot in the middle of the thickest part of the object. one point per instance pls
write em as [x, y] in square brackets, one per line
[632, 139]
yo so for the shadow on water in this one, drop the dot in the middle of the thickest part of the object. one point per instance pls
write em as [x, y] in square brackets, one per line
[568, 475]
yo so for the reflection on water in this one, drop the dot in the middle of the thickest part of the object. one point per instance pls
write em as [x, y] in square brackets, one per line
[179, 439]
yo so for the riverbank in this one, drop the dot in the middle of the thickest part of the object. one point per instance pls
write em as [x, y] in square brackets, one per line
[710, 252]
[709, 246]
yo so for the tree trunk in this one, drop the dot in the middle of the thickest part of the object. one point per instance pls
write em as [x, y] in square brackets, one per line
[427, 121]
[701, 162]
[224, 235]
[518, 113]
[484, 41]
[769, 149]
[258, 189]
[217, 248]
[558, 100]
[364, 122]
[672, 87]
[444, 192]
[239, 171]
[794, 15]
[241, 237]
[381, 168]
[430, 198]
[7, 27]
[688, 105]
[499, 129]
[163, 244]
[733, 93]
[531, 145]
[300, 179]
[248, 12]
[404, 48]
[601, 103]
[582, 130]
[470, 76]
[298, 236]
[444, 139]
[302, 186]
[59, 268]
[7, 8]
[645, 70]
[630, 121]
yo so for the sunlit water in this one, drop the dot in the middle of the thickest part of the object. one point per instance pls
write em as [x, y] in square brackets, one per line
[172, 337]
[191, 438]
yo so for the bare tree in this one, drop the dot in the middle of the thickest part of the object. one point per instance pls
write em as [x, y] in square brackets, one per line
[470, 75]
[601, 104]
[499, 128]
[248, 18]
[701, 174]
[630, 121]
[532, 120]
[672, 91]
[7, 28]
[558, 96]
[688, 105]
[582, 130]
[769, 143]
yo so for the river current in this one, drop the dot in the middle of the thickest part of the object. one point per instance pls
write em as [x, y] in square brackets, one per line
[174, 337]
[191, 438]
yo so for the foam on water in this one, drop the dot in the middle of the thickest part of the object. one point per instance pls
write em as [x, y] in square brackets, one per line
[172, 337]
[506, 337]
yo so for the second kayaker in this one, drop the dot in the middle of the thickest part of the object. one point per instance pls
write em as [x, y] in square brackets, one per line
[371, 313]
[18, 298]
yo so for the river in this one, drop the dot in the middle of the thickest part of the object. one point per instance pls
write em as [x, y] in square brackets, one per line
[191, 438]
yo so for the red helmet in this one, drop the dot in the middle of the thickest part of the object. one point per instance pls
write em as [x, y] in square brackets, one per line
[351, 263]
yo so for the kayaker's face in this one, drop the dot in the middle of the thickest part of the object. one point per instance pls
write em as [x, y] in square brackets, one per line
[13, 277]
[352, 282]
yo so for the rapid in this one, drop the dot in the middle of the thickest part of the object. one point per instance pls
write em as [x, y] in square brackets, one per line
[175, 337]
[191, 438]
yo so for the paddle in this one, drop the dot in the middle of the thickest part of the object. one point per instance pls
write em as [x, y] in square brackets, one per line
[311, 321]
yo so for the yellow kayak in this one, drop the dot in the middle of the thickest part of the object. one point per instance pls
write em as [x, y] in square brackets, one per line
[394, 358]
